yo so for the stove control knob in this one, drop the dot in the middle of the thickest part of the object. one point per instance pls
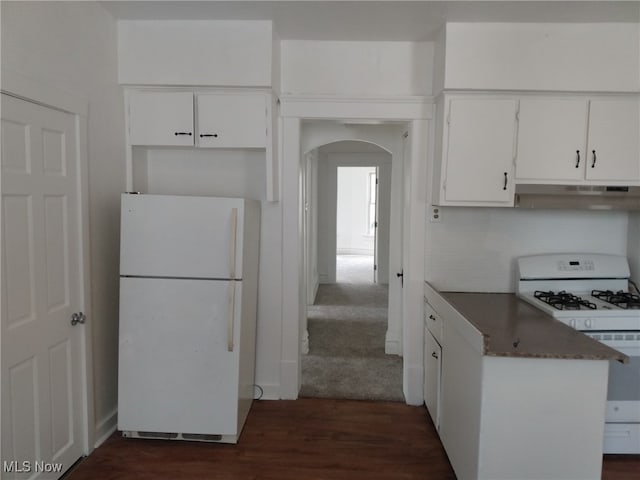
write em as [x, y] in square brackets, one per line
[572, 323]
[587, 323]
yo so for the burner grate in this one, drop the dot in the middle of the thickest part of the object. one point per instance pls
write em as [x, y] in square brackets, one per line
[563, 300]
[625, 300]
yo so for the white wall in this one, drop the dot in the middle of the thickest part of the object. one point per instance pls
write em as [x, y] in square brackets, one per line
[195, 52]
[71, 46]
[352, 234]
[474, 249]
[537, 56]
[356, 68]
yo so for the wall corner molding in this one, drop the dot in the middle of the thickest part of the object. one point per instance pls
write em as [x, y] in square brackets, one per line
[22, 86]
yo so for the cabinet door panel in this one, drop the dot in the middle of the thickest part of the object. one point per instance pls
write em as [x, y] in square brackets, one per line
[551, 139]
[161, 118]
[432, 362]
[232, 120]
[480, 151]
[614, 131]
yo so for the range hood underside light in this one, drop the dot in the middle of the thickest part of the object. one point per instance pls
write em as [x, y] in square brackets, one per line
[577, 197]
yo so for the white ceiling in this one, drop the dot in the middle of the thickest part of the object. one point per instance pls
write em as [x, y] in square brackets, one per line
[375, 20]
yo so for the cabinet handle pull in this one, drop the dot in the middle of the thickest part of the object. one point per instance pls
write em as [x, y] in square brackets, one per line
[432, 318]
[434, 355]
[578, 158]
[505, 181]
[209, 135]
[182, 133]
[593, 165]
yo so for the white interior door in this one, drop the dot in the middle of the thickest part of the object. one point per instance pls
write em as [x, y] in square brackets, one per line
[42, 358]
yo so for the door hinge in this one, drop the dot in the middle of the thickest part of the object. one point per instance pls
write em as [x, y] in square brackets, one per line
[375, 224]
[375, 267]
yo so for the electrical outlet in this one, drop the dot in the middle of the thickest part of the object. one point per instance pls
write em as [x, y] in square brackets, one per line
[436, 214]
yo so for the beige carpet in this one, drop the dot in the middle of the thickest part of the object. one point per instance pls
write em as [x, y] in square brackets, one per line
[347, 327]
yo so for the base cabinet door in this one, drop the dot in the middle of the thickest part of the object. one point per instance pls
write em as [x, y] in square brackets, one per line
[432, 369]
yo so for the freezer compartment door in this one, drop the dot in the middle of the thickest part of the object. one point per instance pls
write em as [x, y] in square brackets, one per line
[181, 236]
[179, 361]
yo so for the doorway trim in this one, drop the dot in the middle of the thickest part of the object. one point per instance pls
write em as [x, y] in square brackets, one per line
[417, 111]
[48, 95]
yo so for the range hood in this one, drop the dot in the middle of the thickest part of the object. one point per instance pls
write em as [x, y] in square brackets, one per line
[578, 197]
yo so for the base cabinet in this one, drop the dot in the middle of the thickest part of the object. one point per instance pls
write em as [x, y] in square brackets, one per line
[513, 418]
[432, 368]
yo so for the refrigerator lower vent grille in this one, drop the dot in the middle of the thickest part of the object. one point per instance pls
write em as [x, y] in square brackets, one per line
[194, 437]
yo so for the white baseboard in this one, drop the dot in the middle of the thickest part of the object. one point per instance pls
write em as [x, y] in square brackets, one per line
[304, 346]
[413, 393]
[270, 391]
[105, 427]
[392, 344]
[289, 380]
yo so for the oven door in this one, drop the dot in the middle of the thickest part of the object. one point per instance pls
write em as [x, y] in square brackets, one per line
[622, 417]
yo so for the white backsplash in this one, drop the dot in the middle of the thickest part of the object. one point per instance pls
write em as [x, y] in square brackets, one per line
[474, 249]
[633, 246]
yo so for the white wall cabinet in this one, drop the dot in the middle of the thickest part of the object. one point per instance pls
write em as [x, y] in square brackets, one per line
[578, 140]
[160, 118]
[198, 120]
[232, 120]
[224, 120]
[478, 149]
[613, 147]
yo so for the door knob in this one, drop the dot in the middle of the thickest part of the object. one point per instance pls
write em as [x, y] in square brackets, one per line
[78, 318]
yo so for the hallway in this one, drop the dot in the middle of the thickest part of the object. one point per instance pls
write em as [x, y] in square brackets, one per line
[347, 327]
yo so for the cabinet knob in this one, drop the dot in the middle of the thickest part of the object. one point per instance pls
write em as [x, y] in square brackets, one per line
[577, 158]
[215, 135]
[593, 164]
[182, 133]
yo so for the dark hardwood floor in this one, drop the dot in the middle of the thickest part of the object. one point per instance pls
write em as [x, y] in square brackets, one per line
[306, 439]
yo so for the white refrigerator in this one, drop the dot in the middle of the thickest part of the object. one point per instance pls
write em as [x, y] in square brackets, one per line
[188, 301]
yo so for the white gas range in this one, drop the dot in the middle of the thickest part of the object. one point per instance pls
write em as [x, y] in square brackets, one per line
[590, 292]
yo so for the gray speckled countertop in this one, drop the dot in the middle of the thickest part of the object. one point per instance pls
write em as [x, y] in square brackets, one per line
[513, 328]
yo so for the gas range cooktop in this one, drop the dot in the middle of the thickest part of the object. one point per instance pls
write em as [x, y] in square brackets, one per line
[585, 291]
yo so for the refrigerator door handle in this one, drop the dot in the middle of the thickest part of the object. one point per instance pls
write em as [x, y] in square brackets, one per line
[234, 234]
[231, 310]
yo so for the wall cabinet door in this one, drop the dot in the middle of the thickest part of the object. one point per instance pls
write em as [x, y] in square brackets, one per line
[613, 146]
[432, 369]
[551, 139]
[161, 118]
[232, 120]
[480, 151]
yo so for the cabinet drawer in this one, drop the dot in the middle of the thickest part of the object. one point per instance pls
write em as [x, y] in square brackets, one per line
[433, 322]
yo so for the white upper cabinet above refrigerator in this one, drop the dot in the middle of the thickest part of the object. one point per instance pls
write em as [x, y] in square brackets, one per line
[227, 119]
[160, 118]
[232, 120]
